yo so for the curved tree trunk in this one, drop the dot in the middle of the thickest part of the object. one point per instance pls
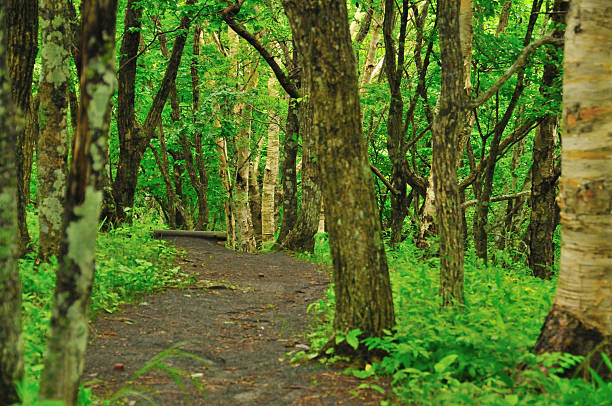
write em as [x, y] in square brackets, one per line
[11, 342]
[361, 278]
[21, 48]
[580, 321]
[68, 331]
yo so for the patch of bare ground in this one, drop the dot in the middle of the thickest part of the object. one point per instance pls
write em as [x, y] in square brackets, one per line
[240, 318]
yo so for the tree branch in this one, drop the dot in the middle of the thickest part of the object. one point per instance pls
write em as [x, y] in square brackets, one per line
[518, 64]
[498, 198]
[383, 179]
[228, 14]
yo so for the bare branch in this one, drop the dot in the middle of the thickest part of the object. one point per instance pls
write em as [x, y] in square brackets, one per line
[498, 198]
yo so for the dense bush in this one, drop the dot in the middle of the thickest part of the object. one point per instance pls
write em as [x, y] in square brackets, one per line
[479, 355]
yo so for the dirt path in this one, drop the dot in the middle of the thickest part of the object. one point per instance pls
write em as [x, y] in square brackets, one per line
[241, 317]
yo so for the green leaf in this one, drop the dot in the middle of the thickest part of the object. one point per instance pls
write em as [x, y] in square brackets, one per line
[352, 338]
[444, 363]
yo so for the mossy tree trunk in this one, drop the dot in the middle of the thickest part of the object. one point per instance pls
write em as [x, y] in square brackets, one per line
[361, 278]
[580, 321]
[53, 116]
[542, 222]
[11, 344]
[21, 48]
[68, 332]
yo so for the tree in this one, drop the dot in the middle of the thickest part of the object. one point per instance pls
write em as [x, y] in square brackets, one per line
[11, 344]
[53, 116]
[361, 278]
[68, 332]
[22, 46]
[580, 320]
[134, 138]
[444, 159]
[542, 222]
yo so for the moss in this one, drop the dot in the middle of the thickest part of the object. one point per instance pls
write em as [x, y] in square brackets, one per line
[82, 233]
[52, 211]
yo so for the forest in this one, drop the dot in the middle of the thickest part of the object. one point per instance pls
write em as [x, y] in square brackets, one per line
[434, 177]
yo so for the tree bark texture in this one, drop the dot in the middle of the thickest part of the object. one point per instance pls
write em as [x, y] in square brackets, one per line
[11, 342]
[444, 160]
[361, 278]
[581, 318]
[21, 49]
[542, 222]
[53, 117]
[68, 331]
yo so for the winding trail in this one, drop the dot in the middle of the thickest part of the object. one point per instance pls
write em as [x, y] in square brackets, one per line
[240, 318]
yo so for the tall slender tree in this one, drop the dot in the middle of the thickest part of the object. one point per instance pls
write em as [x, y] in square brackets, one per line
[22, 47]
[11, 344]
[68, 333]
[53, 116]
[361, 278]
[542, 222]
[580, 320]
[444, 159]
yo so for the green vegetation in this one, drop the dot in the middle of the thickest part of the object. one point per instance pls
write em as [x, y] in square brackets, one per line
[129, 264]
[481, 355]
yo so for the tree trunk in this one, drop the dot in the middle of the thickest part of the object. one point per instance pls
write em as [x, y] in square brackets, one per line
[481, 213]
[68, 332]
[199, 177]
[580, 321]
[289, 172]
[444, 160]
[124, 185]
[134, 139]
[254, 188]
[245, 237]
[11, 342]
[22, 47]
[427, 226]
[542, 222]
[270, 178]
[53, 143]
[301, 236]
[361, 278]
[370, 61]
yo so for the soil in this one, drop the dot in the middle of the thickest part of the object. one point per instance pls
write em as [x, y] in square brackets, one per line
[240, 318]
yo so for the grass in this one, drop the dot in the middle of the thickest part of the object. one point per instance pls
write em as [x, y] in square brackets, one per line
[129, 264]
[479, 356]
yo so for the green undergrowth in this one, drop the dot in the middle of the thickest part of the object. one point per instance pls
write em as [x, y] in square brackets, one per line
[129, 263]
[479, 356]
